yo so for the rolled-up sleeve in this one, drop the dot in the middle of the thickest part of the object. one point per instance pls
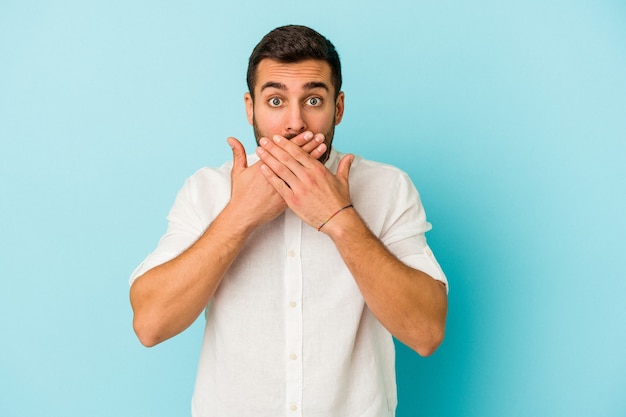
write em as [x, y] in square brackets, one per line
[405, 228]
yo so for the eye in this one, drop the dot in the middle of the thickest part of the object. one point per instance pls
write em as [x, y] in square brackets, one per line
[315, 101]
[275, 102]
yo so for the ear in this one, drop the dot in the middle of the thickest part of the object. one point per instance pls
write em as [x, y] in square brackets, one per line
[339, 106]
[247, 98]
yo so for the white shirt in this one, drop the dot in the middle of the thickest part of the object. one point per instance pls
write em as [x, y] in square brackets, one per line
[288, 332]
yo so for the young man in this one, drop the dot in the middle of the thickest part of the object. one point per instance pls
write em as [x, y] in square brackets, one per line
[306, 260]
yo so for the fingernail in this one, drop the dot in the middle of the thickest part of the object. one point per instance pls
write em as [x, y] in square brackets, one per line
[263, 141]
[276, 138]
[308, 135]
[260, 151]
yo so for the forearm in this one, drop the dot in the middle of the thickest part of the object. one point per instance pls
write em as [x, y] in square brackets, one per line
[408, 302]
[168, 298]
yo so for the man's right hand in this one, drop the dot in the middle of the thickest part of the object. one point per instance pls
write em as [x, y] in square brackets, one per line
[253, 199]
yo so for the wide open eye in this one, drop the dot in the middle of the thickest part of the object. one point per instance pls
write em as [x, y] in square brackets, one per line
[314, 101]
[275, 102]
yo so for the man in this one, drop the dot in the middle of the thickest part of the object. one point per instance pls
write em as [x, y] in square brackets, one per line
[306, 261]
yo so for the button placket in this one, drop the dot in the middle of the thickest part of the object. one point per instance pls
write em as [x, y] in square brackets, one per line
[293, 305]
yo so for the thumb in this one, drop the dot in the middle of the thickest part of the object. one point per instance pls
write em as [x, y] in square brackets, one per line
[240, 160]
[343, 170]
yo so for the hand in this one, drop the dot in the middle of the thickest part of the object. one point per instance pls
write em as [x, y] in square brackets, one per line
[304, 183]
[252, 197]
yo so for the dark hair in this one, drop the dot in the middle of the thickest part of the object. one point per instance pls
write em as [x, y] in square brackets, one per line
[291, 44]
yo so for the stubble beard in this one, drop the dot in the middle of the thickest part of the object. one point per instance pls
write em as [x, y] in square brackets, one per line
[328, 138]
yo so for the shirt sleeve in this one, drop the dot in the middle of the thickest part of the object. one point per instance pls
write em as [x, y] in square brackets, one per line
[184, 228]
[405, 228]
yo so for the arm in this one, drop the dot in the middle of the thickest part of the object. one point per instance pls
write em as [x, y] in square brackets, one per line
[168, 298]
[408, 302]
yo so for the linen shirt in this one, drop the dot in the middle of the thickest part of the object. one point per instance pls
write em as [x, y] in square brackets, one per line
[288, 332]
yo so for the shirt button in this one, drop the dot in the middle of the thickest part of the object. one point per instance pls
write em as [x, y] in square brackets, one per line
[292, 304]
[294, 407]
[292, 253]
[293, 356]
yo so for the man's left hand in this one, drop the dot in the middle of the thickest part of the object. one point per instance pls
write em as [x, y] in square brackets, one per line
[307, 186]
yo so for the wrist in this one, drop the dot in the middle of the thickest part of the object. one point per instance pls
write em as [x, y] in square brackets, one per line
[234, 221]
[346, 207]
[344, 223]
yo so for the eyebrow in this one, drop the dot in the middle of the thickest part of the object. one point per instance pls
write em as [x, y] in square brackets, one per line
[308, 86]
[316, 84]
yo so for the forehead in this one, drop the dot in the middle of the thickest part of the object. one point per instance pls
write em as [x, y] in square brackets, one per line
[294, 76]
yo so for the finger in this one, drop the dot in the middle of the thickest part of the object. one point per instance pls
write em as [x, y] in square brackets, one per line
[315, 141]
[279, 185]
[315, 147]
[240, 160]
[288, 153]
[318, 152]
[312, 144]
[303, 138]
[343, 170]
[281, 163]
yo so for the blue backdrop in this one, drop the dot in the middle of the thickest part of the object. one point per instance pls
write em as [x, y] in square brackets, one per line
[510, 117]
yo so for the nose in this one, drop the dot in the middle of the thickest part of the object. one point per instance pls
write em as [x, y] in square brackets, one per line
[295, 123]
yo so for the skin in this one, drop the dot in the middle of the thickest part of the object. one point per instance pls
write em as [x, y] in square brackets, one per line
[286, 104]
[291, 101]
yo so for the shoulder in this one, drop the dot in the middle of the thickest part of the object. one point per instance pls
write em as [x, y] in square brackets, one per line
[376, 172]
[215, 175]
[208, 185]
[209, 176]
[382, 182]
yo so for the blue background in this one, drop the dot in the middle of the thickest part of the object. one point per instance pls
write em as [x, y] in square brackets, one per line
[510, 116]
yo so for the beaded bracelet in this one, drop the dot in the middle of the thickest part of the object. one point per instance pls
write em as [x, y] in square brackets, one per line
[333, 215]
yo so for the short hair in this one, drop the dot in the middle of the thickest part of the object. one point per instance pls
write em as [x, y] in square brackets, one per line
[292, 44]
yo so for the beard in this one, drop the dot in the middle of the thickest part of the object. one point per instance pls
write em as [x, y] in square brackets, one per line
[328, 138]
